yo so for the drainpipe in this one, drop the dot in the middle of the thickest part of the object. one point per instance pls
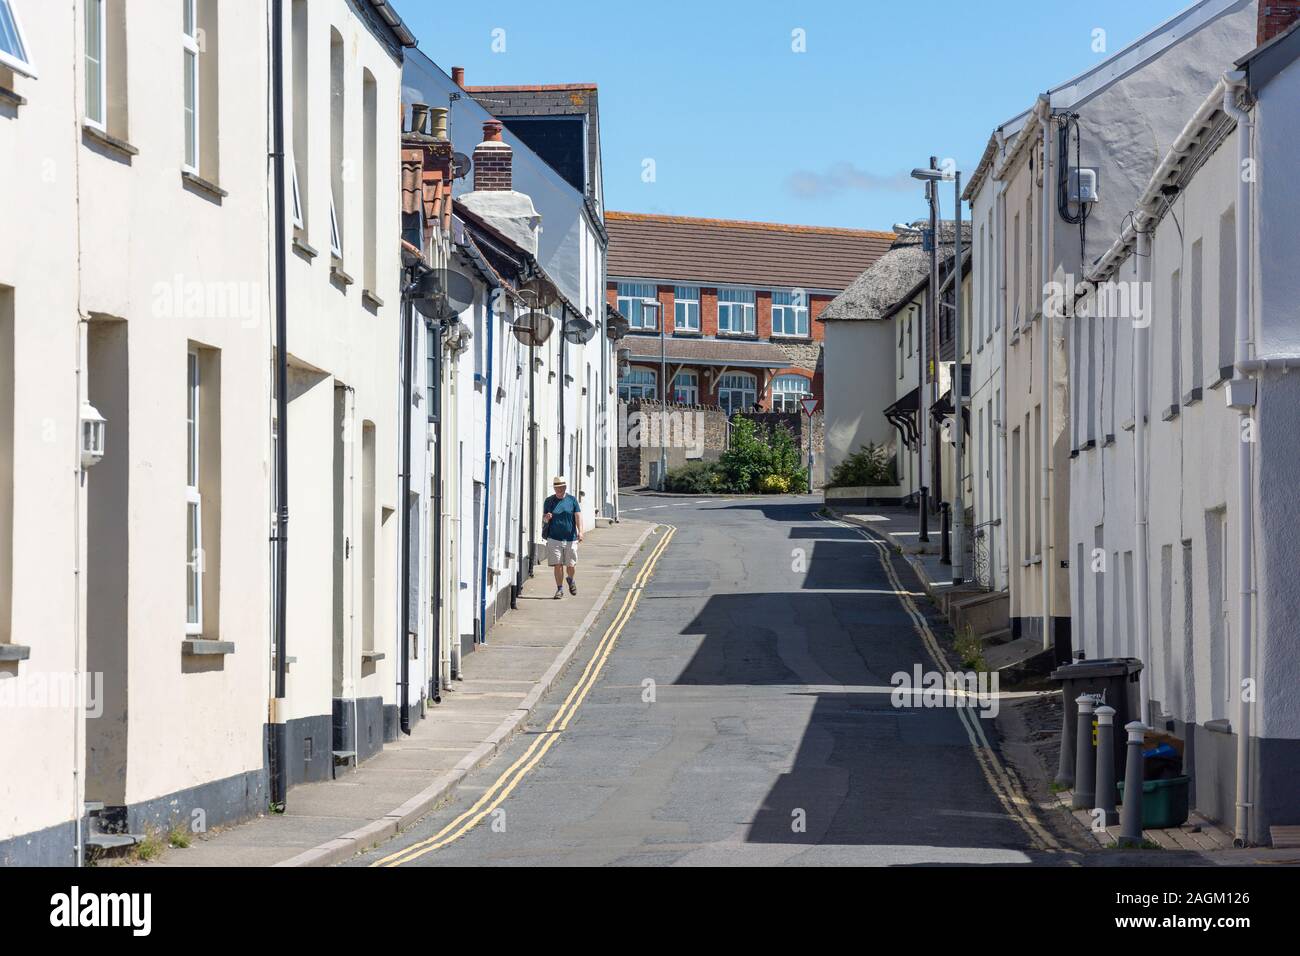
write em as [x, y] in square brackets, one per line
[1234, 84]
[532, 452]
[1141, 414]
[278, 742]
[404, 496]
[1000, 214]
[1045, 395]
[487, 476]
[435, 344]
[959, 408]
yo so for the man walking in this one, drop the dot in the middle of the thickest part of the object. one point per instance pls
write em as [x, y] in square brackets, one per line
[562, 523]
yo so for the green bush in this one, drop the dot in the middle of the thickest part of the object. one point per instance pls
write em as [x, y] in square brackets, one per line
[755, 453]
[774, 485]
[696, 478]
[872, 465]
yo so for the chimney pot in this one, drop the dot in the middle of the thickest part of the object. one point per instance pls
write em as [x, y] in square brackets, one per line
[458, 76]
[1275, 17]
[438, 122]
[493, 160]
[419, 117]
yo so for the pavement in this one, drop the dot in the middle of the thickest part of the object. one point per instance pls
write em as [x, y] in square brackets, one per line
[739, 712]
[504, 680]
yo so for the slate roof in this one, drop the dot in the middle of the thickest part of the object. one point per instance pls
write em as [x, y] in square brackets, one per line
[711, 251]
[892, 278]
[550, 99]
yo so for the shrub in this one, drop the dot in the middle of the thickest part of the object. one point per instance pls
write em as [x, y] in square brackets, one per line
[696, 478]
[774, 484]
[755, 453]
[871, 465]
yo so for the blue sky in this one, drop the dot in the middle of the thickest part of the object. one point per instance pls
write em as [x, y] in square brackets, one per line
[740, 126]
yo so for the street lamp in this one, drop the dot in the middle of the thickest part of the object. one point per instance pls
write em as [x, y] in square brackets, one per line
[931, 178]
[656, 311]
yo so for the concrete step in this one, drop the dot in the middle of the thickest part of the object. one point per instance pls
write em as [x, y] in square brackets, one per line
[113, 841]
[982, 614]
[994, 638]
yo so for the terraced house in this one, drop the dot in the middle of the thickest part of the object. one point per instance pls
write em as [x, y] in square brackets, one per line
[739, 303]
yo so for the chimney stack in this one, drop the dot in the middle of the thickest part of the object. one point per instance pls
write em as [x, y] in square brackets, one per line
[458, 76]
[1276, 16]
[492, 160]
[438, 122]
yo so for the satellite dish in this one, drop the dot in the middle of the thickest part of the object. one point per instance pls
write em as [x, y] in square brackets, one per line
[578, 330]
[616, 327]
[442, 294]
[460, 165]
[534, 328]
[538, 293]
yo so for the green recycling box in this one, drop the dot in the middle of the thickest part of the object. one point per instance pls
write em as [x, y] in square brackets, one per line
[1164, 802]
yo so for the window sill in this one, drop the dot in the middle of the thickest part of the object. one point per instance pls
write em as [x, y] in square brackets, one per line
[1089, 445]
[1225, 376]
[102, 138]
[1032, 562]
[1193, 397]
[371, 657]
[744, 336]
[304, 248]
[1170, 414]
[198, 647]
[12, 98]
[780, 337]
[371, 299]
[206, 186]
[1108, 441]
[687, 334]
[12, 653]
[338, 274]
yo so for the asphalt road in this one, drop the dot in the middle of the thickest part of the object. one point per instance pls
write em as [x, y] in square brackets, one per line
[739, 719]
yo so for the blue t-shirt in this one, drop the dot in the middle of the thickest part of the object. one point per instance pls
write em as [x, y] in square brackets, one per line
[562, 526]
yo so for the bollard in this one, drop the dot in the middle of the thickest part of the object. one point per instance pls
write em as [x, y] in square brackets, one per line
[1065, 765]
[1104, 813]
[1085, 764]
[1130, 822]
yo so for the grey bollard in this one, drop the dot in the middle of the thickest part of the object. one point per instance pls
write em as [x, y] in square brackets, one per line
[1065, 766]
[1130, 821]
[1085, 764]
[1105, 768]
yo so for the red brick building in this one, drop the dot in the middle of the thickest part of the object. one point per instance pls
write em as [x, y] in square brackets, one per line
[739, 303]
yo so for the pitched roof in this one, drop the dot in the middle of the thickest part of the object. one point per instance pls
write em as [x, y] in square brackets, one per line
[891, 279]
[683, 248]
[549, 100]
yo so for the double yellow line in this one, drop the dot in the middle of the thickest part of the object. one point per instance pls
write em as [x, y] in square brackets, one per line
[504, 785]
[1005, 787]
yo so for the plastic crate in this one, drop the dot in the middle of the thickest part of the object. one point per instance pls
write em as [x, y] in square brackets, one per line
[1164, 802]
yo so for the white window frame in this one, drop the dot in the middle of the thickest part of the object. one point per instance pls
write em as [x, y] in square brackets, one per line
[691, 390]
[193, 498]
[641, 385]
[95, 11]
[336, 238]
[686, 308]
[19, 64]
[780, 394]
[190, 68]
[738, 305]
[629, 297]
[791, 313]
[730, 385]
[296, 195]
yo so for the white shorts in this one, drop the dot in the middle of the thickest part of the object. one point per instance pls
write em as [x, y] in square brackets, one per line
[561, 552]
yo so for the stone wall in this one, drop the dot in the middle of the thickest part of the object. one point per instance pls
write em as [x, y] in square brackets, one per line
[696, 433]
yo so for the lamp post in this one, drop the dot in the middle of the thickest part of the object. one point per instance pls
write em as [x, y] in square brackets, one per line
[653, 306]
[931, 177]
[930, 334]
